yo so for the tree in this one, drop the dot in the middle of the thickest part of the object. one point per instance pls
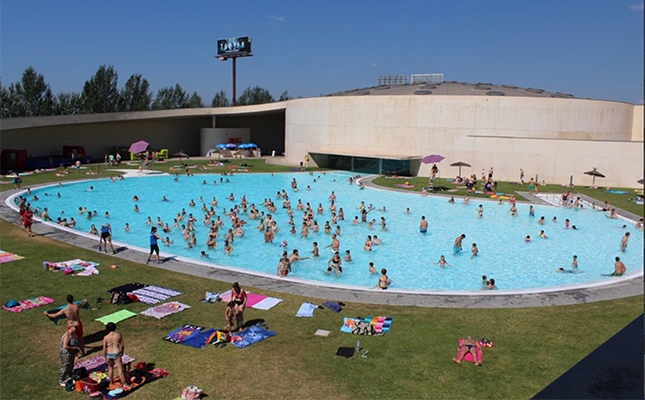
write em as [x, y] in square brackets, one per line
[170, 98]
[285, 96]
[100, 93]
[256, 95]
[69, 103]
[6, 102]
[31, 95]
[136, 95]
[195, 101]
[220, 100]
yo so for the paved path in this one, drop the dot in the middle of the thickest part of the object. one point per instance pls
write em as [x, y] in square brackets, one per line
[622, 287]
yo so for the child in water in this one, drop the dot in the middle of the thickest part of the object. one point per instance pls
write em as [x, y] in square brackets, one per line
[442, 262]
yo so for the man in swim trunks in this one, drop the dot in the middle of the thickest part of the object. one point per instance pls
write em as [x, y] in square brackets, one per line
[619, 268]
[623, 242]
[423, 225]
[469, 345]
[456, 247]
[335, 243]
[72, 314]
[113, 348]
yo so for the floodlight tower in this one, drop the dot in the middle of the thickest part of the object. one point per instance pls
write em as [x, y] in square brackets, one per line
[234, 48]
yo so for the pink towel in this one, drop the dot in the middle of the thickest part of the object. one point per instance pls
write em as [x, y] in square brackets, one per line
[31, 303]
[469, 357]
[253, 299]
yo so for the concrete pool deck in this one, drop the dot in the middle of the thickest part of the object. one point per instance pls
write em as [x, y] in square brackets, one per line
[630, 285]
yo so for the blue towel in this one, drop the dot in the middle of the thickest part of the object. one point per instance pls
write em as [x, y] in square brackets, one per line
[332, 305]
[306, 310]
[198, 340]
[252, 335]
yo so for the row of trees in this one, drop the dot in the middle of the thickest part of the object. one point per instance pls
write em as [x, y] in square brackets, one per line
[31, 96]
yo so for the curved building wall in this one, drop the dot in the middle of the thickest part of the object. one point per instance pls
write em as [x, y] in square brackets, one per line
[553, 138]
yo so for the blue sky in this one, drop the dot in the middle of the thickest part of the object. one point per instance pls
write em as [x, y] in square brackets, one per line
[587, 48]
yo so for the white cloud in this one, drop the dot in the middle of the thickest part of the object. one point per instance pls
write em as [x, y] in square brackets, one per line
[278, 18]
[374, 65]
[636, 7]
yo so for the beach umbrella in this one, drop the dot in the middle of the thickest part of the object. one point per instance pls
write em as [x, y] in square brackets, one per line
[138, 147]
[221, 146]
[252, 145]
[243, 146]
[460, 164]
[181, 154]
[595, 174]
[432, 158]
[641, 181]
[230, 145]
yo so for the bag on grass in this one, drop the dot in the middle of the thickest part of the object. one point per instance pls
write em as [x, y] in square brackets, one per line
[191, 393]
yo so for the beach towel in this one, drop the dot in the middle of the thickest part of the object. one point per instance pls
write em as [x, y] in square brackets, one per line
[183, 333]
[165, 309]
[116, 317]
[75, 265]
[29, 303]
[87, 271]
[153, 294]
[250, 336]
[251, 298]
[267, 303]
[99, 363]
[469, 357]
[7, 257]
[128, 287]
[200, 339]
[366, 326]
[306, 310]
[332, 305]
[60, 317]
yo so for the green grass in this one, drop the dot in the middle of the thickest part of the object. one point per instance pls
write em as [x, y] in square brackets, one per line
[623, 201]
[532, 346]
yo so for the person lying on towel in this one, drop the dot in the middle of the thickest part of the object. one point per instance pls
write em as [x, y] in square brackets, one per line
[469, 346]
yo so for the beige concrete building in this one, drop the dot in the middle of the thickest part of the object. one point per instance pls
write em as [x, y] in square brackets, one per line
[384, 129]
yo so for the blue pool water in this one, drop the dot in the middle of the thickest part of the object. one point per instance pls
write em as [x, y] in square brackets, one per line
[408, 255]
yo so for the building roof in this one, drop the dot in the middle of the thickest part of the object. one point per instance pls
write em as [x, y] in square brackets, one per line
[453, 88]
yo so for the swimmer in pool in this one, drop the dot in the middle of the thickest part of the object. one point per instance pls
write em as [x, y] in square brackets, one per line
[368, 243]
[531, 211]
[527, 239]
[334, 263]
[474, 250]
[619, 268]
[541, 221]
[372, 269]
[623, 242]
[442, 262]
[383, 280]
[451, 200]
[423, 225]
[543, 235]
[456, 247]
[480, 211]
[315, 252]
[348, 255]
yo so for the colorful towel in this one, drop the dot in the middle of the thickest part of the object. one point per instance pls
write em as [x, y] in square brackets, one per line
[469, 357]
[267, 303]
[201, 339]
[76, 264]
[61, 317]
[165, 309]
[251, 298]
[29, 303]
[88, 271]
[6, 257]
[250, 336]
[367, 326]
[153, 294]
[183, 333]
[116, 317]
[99, 363]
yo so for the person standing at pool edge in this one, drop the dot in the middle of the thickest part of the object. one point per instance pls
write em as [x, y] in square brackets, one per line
[154, 246]
[106, 237]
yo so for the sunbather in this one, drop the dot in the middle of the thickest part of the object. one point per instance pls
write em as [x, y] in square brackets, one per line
[469, 345]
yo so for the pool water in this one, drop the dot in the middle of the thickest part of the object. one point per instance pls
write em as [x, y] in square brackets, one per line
[408, 255]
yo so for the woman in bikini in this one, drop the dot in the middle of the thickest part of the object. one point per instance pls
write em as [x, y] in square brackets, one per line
[238, 297]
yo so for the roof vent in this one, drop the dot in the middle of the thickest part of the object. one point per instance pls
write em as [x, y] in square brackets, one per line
[495, 93]
[510, 86]
[422, 92]
[532, 90]
[382, 87]
[483, 87]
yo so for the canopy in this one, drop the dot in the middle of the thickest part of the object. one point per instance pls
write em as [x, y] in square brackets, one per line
[432, 158]
[460, 164]
[595, 174]
[138, 147]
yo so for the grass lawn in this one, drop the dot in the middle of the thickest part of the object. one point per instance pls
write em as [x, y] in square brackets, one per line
[623, 201]
[533, 346]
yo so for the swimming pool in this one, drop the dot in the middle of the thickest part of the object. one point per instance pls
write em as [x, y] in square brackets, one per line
[408, 255]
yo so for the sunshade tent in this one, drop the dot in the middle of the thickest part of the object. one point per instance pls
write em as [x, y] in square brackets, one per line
[221, 146]
[181, 154]
[460, 164]
[138, 147]
[432, 158]
[641, 181]
[595, 174]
